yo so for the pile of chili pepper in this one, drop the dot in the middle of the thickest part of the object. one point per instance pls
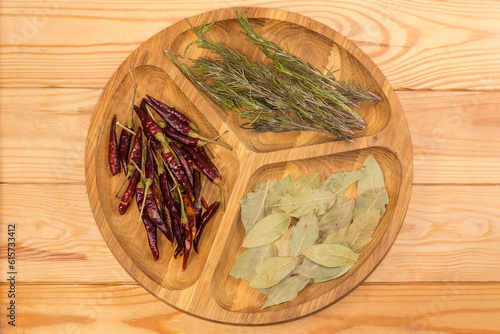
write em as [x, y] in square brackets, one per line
[164, 170]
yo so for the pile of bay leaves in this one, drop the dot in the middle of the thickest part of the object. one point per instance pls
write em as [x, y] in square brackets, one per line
[305, 230]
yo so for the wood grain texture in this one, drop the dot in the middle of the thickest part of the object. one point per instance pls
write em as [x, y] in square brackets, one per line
[57, 239]
[59, 43]
[455, 135]
[205, 288]
[395, 308]
[42, 134]
[450, 234]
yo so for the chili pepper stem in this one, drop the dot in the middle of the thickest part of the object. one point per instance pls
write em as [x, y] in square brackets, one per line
[130, 122]
[193, 126]
[221, 186]
[150, 113]
[125, 128]
[138, 169]
[201, 192]
[196, 135]
[132, 76]
[222, 134]
[147, 185]
[209, 152]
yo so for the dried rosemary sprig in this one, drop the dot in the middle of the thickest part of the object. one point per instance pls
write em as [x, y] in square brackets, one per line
[290, 95]
[285, 62]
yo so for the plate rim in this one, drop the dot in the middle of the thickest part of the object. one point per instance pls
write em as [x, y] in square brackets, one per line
[117, 77]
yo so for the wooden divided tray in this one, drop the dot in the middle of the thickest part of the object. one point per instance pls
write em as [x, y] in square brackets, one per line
[205, 289]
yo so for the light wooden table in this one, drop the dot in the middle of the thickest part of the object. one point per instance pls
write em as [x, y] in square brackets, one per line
[441, 276]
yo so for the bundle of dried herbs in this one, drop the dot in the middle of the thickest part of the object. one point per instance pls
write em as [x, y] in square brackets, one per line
[306, 231]
[288, 95]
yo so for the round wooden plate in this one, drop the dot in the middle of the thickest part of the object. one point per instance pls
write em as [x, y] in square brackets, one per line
[205, 289]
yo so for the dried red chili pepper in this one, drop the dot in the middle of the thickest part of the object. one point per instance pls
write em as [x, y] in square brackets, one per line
[203, 153]
[190, 160]
[171, 207]
[150, 125]
[129, 193]
[180, 126]
[183, 161]
[172, 111]
[191, 214]
[196, 187]
[178, 251]
[205, 168]
[168, 223]
[126, 135]
[155, 215]
[113, 158]
[204, 221]
[148, 225]
[123, 147]
[172, 134]
[204, 203]
[174, 121]
[154, 143]
[136, 153]
[177, 171]
[156, 195]
[188, 241]
[149, 169]
[198, 212]
[126, 139]
[135, 157]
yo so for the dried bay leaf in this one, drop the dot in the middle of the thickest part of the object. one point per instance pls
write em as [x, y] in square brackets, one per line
[267, 230]
[329, 232]
[272, 271]
[341, 199]
[372, 176]
[361, 230]
[309, 181]
[336, 217]
[275, 191]
[321, 273]
[287, 289]
[283, 243]
[308, 200]
[336, 236]
[265, 291]
[373, 199]
[304, 234]
[331, 255]
[341, 271]
[337, 183]
[244, 265]
[253, 204]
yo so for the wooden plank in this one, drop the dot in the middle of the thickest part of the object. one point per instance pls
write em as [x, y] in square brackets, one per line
[379, 308]
[455, 135]
[42, 134]
[57, 239]
[450, 234]
[424, 45]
